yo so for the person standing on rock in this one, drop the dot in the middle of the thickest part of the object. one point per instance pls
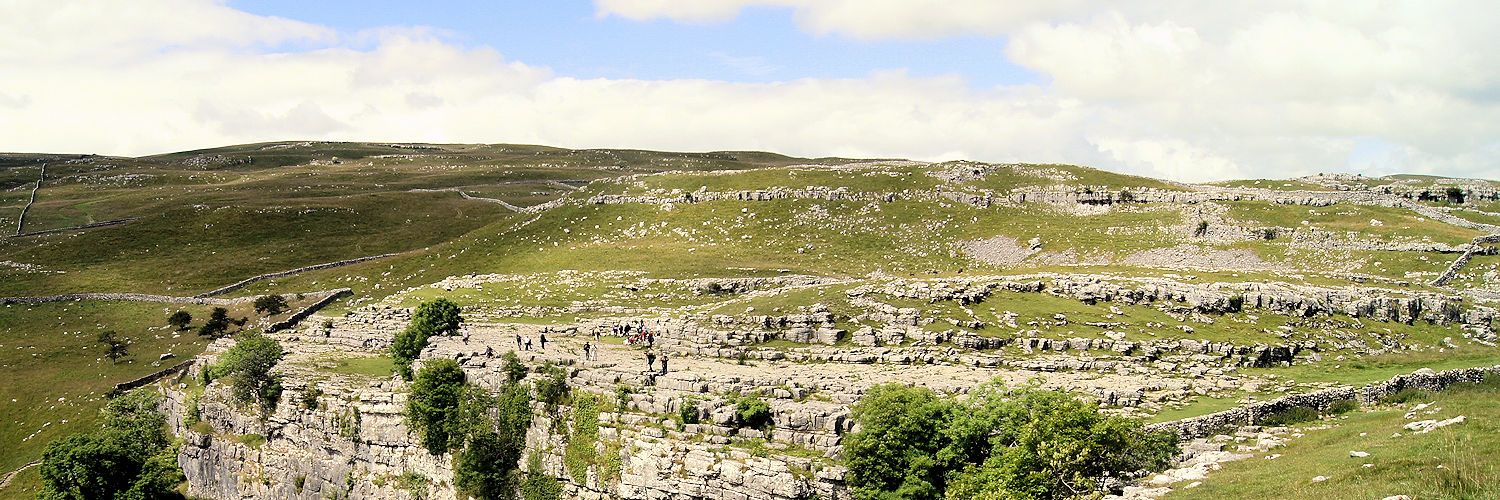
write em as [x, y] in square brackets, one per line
[586, 355]
[664, 364]
[518, 341]
[543, 338]
[528, 344]
[650, 361]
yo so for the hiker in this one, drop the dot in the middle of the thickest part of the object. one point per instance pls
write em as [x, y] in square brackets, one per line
[518, 341]
[466, 336]
[543, 337]
[489, 351]
[664, 364]
[650, 360]
[528, 344]
[586, 351]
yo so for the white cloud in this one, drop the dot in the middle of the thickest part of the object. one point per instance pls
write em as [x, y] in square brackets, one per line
[1187, 90]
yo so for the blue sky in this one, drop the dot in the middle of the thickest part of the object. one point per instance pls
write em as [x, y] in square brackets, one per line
[1178, 89]
[762, 44]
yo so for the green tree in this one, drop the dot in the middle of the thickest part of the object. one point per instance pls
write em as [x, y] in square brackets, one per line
[894, 453]
[114, 347]
[552, 387]
[997, 443]
[433, 406]
[180, 319]
[217, 324]
[128, 458]
[486, 467]
[436, 317]
[512, 368]
[753, 411]
[270, 304]
[249, 363]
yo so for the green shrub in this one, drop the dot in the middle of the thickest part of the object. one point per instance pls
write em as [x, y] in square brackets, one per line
[486, 467]
[129, 457]
[349, 423]
[310, 396]
[622, 396]
[270, 304]
[512, 368]
[435, 317]
[250, 362]
[432, 409]
[1404, 396]
[415, 484]
[1202, 229]
[180, 319]
[753, 412]
[1289, 416]
[254, 441]
[996, 443]
[538, 485]
[194, 414]
[553, 385]
[579, 453]
[688, 411]
[1343, 406]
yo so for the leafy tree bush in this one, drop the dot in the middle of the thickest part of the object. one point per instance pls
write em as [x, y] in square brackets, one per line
[435, 317]
[1454, 195]
[553, 385]
[486, 467]
[997, 443]
[753, 411]
[1405, 396]
[538, 485]
[180, 319]
[249, 364]
[512, 367]
[1343, 406]
[1289, 416]
[114, 347]
[310, 395]
[129, 457]
[270, 304]
[217, 324]
[433, 407]
[1202, 229]
[688, 411]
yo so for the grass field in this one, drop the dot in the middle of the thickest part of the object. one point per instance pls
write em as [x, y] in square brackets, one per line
[1454, 462]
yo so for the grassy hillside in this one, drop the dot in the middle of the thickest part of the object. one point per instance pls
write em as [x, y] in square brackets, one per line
[617, 219]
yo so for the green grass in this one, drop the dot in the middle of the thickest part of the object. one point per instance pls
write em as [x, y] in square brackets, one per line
[53, 372]
[1484, 218]
[377, 367]
[1395, 222]
[1453, 462]
[1360, 371]
[1273, 184]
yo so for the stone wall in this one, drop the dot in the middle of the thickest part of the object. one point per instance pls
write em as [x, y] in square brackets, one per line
[1463, 260]
[1424, 379]
[282, 274]
[308, 311]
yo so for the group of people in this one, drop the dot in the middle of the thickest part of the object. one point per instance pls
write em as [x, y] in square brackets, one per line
[634, 335]
[524, 343]
[651, 363]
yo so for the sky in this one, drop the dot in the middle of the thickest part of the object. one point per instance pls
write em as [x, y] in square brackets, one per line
[1179, 89]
